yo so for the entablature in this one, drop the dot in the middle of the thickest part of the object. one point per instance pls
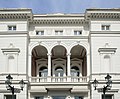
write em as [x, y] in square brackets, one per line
[15, 14]
[59, 37]
[60, 21]
[103, 14]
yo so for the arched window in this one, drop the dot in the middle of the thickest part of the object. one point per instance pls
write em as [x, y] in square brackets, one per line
[59, 72]
[11, 63]
[75, 71]
[43, 72]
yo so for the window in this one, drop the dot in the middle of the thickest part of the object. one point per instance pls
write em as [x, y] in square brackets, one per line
[59, 72]
[58, 97]
[39, 97]
[12, 28]
[105, 27]
[39, 32]
[43, 72]
[9, 97]
[77, 32]
[58, 32]
[78, 97]
[107, 96]
[75, 71]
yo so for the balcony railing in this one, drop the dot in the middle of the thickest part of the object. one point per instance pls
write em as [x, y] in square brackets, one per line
[59, 79]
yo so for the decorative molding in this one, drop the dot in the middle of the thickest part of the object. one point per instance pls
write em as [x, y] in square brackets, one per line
[78, 42]
[107, 49]
[10, 49]
[111, 90]
[49, 54]
[68, 54]
[60, 21]
[58, 42]
[16, 14]
[103, 15]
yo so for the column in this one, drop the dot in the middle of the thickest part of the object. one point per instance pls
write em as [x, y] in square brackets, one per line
[68, 64]
[29, 66]
[88, 64]
[49, 64]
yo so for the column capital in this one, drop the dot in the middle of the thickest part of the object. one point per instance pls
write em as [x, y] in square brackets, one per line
[49, 54]
[68, 54]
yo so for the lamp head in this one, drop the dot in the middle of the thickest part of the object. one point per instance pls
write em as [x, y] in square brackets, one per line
[8, 82]
[22, 84]
[108, 77]
[9, 77]
[95, 83]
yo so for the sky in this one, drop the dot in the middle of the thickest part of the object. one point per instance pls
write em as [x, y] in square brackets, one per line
[59, 6]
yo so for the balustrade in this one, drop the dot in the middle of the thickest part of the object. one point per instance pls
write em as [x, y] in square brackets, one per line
[59, 79]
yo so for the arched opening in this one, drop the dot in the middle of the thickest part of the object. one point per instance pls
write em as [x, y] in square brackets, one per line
[59, 52]
[78, 57]
[39, 58]
[59, 59]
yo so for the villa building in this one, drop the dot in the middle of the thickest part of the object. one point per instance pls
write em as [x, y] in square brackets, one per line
[59, 55]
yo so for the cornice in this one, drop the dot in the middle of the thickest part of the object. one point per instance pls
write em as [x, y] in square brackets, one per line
[15, 14]
[107, 50]
[105, 32]
[59, 18]
[5, 33]
[96, 13]
[103, 9]
[10, 50]
[103, 16]
[60, 21]
[58, 37]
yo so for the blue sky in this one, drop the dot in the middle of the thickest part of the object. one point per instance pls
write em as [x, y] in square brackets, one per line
[59, 6]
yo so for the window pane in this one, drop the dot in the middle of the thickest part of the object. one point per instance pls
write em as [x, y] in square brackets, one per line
[75, 32]
[59, 72]
[79, 32]
[9, 96]
[107, 96]
[58, 97]
[39, 32]
[39, 97]
[78, 97]
[61, 32]
[42, 32]
[103, 27]
[9, 28]
[107, 27]
[14, 27]
[58, 32]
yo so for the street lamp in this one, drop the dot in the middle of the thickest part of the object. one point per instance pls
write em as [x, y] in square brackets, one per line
[8, 83]
[105, 88]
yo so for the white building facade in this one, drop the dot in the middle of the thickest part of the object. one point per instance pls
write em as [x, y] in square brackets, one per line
[60, 55]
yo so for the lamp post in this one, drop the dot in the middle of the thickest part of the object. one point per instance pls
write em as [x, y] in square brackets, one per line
[8, 83]
[105, 87]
